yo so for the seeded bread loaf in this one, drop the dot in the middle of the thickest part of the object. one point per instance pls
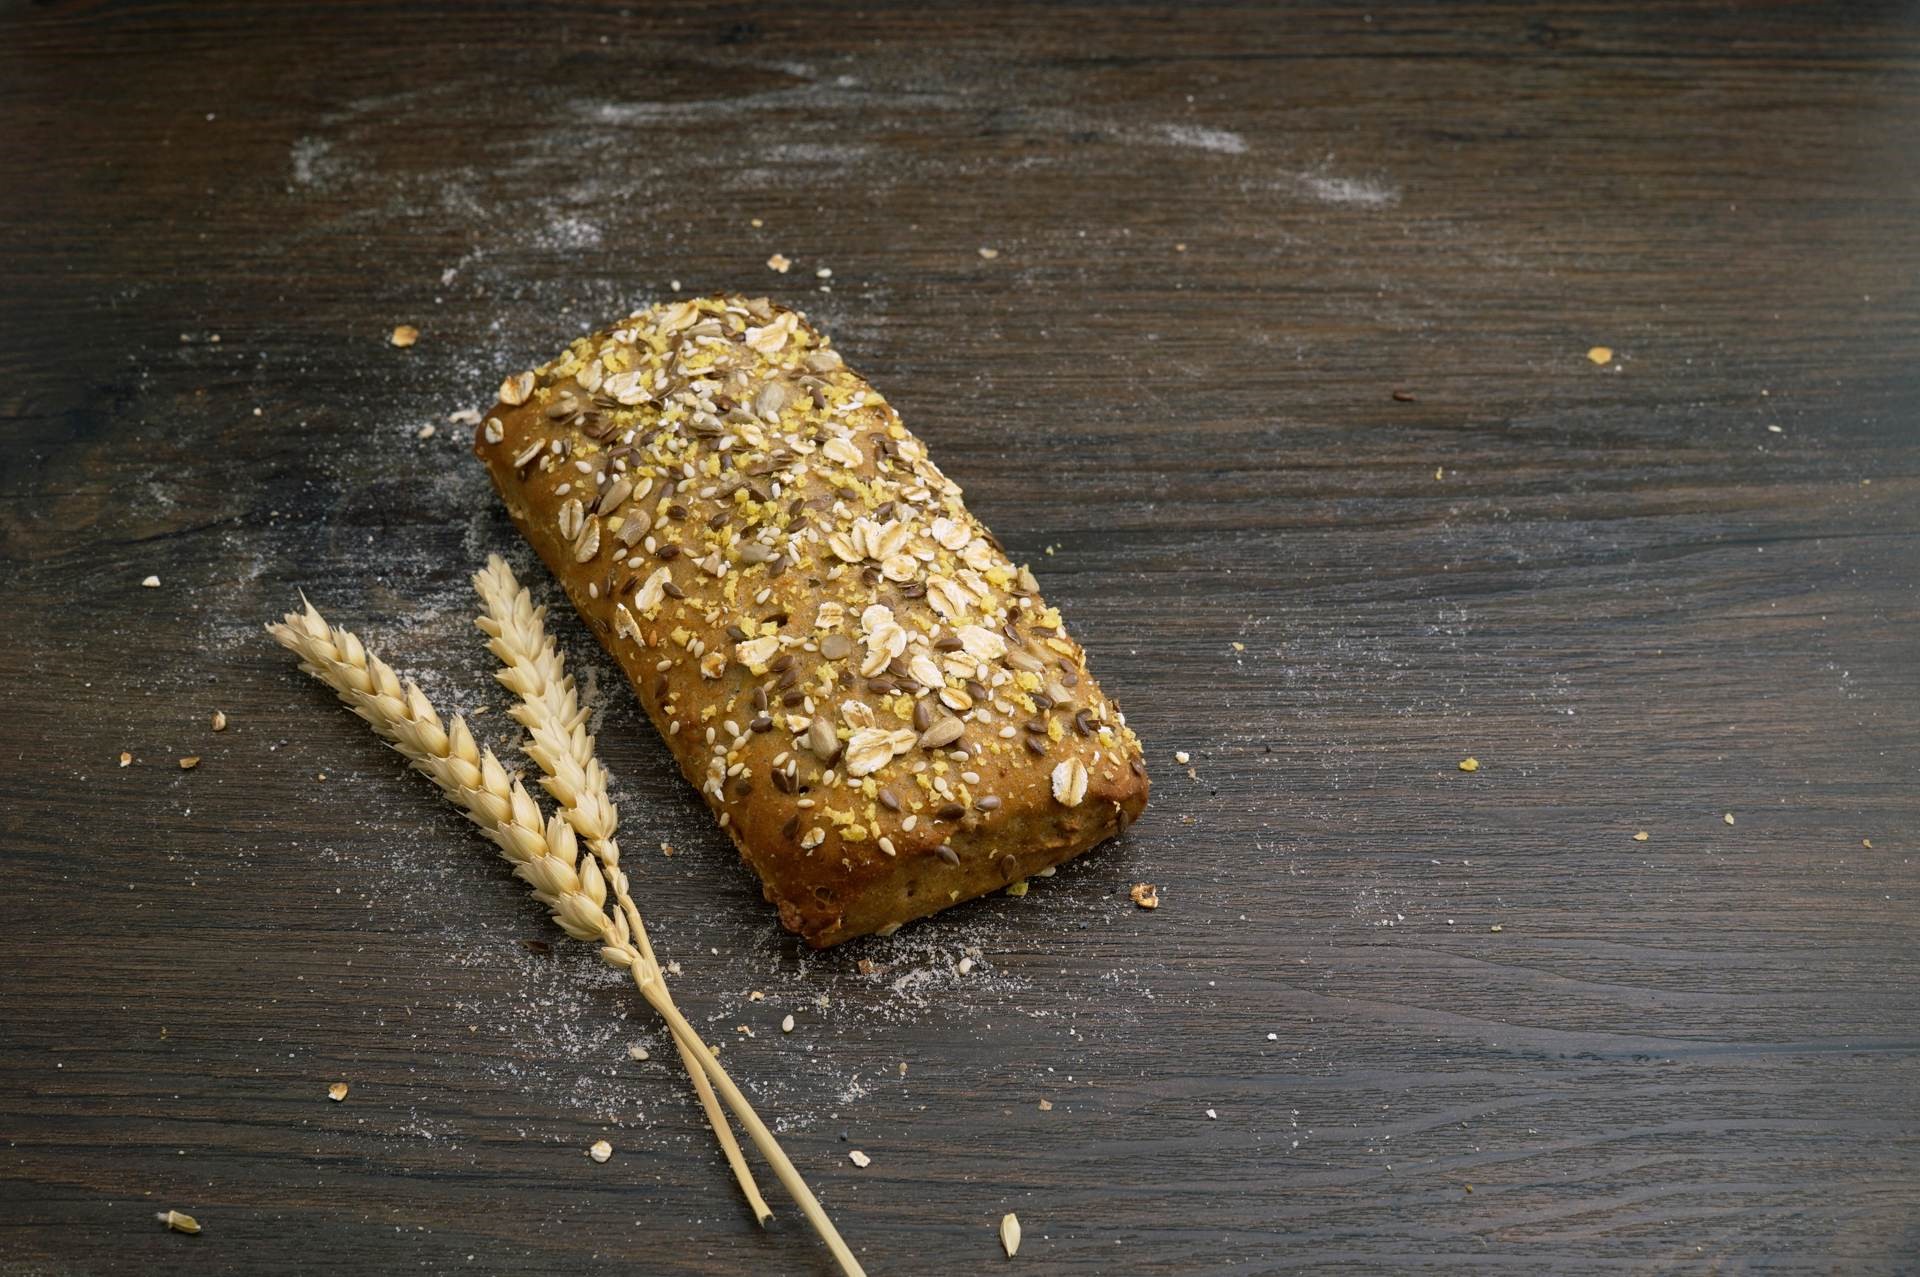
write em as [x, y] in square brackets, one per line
[877, 705]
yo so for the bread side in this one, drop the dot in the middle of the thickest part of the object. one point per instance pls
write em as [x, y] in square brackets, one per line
[877, 705]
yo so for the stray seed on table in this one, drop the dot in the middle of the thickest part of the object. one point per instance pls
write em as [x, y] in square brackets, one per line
[190, 762]
[1728, 818]
[178, 1221]
[600, 1151]
[152, 583]
[786, 1025]
[1010, 1233]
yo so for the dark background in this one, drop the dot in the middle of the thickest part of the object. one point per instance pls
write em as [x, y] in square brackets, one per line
[1446, 1021]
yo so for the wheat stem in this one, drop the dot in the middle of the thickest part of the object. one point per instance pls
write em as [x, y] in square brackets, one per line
[532, 668]
[544, 855]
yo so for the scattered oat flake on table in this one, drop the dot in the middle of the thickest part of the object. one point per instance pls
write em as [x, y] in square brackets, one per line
[152, 583]
[1469, 764]
[1182, 757]
[126, 759]
[859, 1159]
[1010, 1233]
[989, 253]
[1046, 1106]
[1600, 354]
[219, 720]
[178, 1221]
[600, 1151]
[1641, 836]
[1146, 895]
[779, 263]
[337, 1092]
[404, 335]
[190, 762]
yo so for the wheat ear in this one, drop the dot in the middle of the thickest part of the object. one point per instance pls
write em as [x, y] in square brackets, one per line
[532, 668]
[545, 856]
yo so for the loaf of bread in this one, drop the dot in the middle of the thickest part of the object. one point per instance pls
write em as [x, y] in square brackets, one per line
[877, 705]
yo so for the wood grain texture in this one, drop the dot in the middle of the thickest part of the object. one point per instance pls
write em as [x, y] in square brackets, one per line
[1643, 595]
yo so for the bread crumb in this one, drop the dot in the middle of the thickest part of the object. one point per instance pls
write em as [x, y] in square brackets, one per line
[337, 1092]
[190, 762]
[1182, 757]
[152, 582]
[1728, 818]
[1146, 895]
[424, 432]
[1212, 1116]
[1469, 764]
[600, 1150]
[404, 335]
[1046, 1106]
[1600, 354]
[639, 1052]
[219, 721]
[859, 1159]
[778, 262]
[126, 759]
[1641, 836]
[989, 253]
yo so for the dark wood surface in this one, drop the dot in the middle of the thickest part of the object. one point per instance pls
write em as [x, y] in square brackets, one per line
[1389, 1017]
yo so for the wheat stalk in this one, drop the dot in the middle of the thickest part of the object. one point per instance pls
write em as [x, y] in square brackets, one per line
[544, 855]
[532, 668]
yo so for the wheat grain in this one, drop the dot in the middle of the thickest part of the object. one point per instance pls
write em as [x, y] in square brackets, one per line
[545, 856]
[532, 668]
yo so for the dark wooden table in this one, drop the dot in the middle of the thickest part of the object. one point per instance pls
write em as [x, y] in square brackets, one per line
[1281, 377]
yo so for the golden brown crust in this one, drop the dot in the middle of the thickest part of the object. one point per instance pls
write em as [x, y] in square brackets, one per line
[877, 705]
